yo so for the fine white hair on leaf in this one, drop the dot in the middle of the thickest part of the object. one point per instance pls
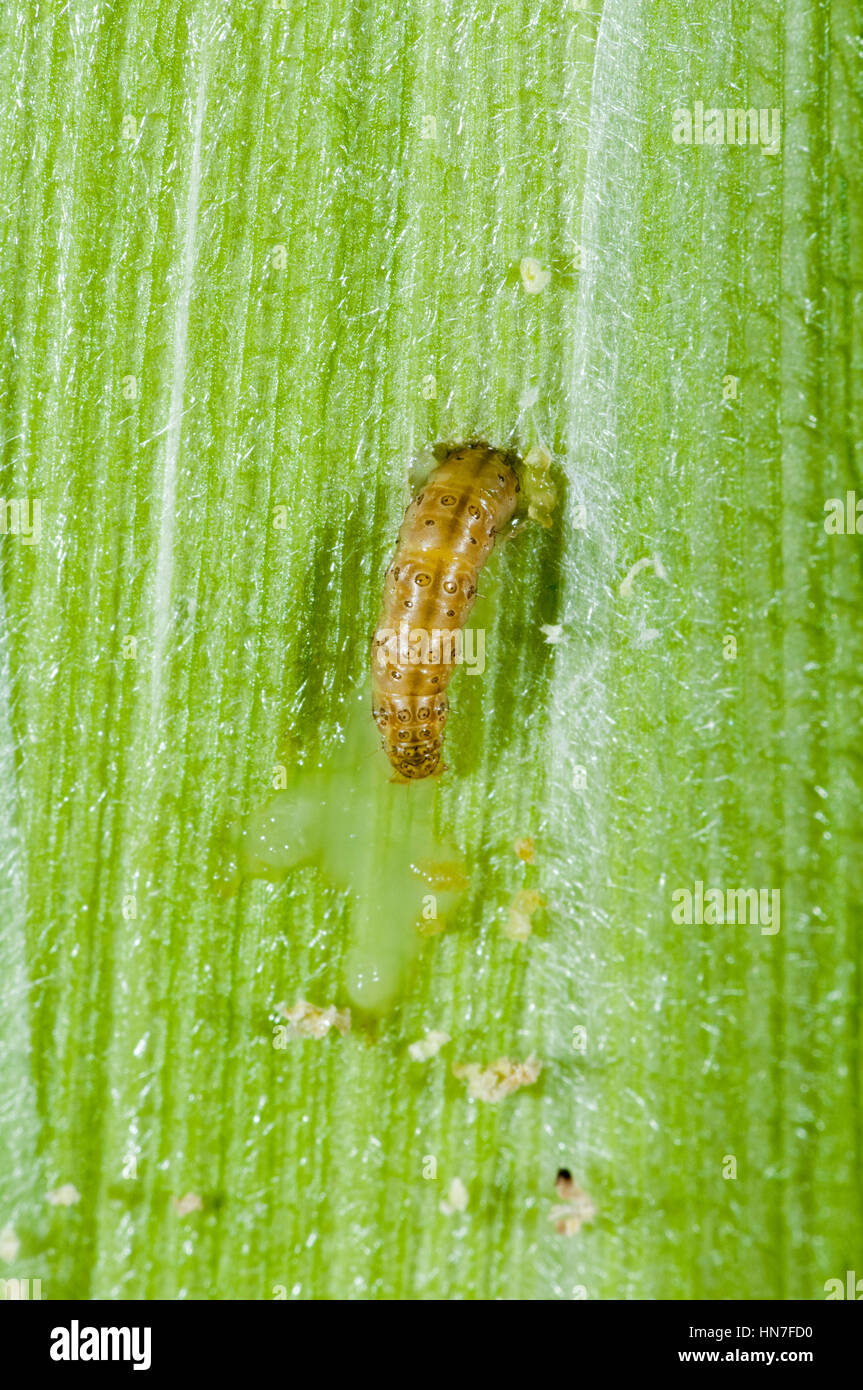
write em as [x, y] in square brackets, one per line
[164, 565]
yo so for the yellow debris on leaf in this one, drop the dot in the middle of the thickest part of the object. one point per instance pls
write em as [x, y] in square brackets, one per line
[189, 1203]
[526, 902]
[534, 277]
[575, 1205]
[429, 1046]
[525, 848]
[431, 926]
[539, 489]
[456, 1198]
[567, 1220]
[65, 1196]
[499, 1079]
[306, 1020]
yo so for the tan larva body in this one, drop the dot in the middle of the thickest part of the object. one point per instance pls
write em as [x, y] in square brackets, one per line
[445, 539]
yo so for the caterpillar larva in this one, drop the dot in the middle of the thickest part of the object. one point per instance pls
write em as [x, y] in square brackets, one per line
[445, 539]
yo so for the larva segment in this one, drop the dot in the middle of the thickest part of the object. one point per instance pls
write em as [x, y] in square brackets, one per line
[445, 539]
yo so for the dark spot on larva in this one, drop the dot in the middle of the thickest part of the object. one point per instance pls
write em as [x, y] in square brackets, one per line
[450, 586]
[396, 571]
[394, 674]
[448, 500]
[563, 1175]
[517, 485]
[501, 478]
[423, 713]
[403, 716]
[472, 510]
[403, 733]
[419, 497]
[435, 679]
[470, 591]
[450, 612]
[409, 603]
[422, 580]
[430, 521]
[474, 541]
